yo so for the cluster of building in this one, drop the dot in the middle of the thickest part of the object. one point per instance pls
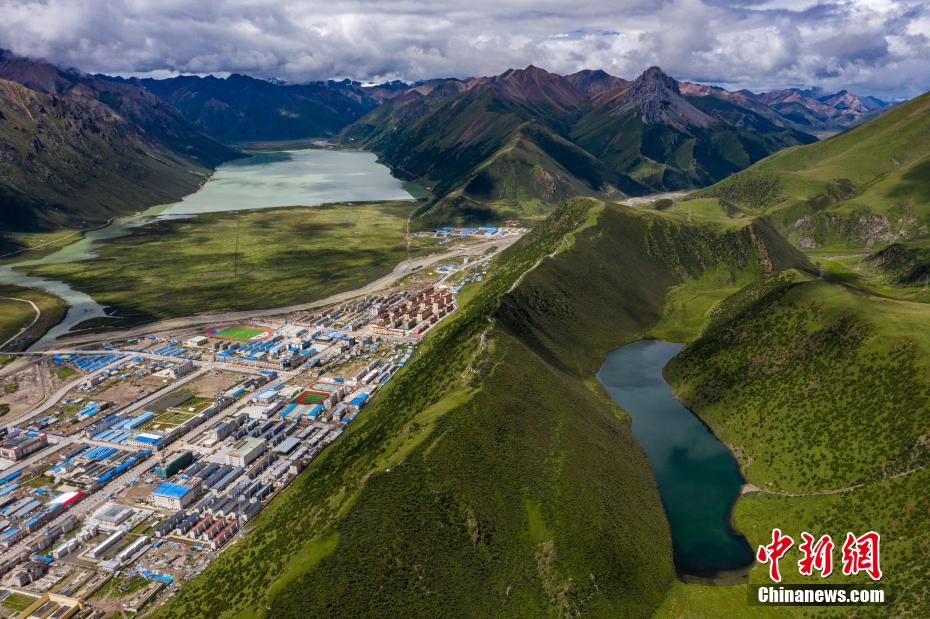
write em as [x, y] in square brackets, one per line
[238, 464]
[479, 231]
[414, 313]
[191, 471]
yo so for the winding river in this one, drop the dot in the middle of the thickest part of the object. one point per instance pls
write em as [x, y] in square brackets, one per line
[698, 477]
[307, 177]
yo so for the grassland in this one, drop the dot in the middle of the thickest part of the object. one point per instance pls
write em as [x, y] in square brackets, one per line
[37, 244]
[285, 256]
[14, 315]
[470, 473]
[821, 389]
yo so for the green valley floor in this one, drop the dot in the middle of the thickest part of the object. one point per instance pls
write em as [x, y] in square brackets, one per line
[240, 260]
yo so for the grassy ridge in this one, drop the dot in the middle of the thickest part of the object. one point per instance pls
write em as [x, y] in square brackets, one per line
[502, 498]
[493, 462]
[623, 268]
[866, 186]
[285, 256]
[822, 392]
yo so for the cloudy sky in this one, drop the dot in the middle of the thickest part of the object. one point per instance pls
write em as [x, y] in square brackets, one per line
[876, 47]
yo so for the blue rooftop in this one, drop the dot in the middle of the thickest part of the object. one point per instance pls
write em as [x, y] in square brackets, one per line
[151, 440]
[172, 490]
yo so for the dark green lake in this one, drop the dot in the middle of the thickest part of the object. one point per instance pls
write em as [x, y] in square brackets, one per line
[698, 477]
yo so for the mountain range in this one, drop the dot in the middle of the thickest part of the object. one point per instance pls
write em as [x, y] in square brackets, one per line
[241, 108]
[511, 144]
[78, 149]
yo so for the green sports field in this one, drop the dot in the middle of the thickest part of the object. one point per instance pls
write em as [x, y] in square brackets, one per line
[238, 333]
[309, 397]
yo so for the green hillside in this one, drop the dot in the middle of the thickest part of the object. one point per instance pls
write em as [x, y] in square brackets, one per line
[822, 392]
[77, 150]
[470, 473]
[866, 187]
[486, 154]
[75, 162]
[665, 157]
[534, 170]
[16, 314]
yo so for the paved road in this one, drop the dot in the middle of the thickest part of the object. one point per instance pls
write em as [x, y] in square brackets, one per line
[402, 270]
[29, 326]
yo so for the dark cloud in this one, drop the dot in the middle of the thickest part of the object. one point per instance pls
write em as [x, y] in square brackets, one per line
[870, 46]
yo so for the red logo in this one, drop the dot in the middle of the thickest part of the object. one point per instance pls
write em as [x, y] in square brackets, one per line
[817, 555]
[860, 554]
[773, 552]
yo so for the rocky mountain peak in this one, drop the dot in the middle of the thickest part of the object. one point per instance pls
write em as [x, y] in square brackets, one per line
[655, 78]
[658, 97]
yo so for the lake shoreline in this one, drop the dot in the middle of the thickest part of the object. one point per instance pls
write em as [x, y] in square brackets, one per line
[698, 477]
[307, 170]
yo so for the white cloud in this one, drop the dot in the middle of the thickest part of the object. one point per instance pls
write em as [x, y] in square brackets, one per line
[871, 46]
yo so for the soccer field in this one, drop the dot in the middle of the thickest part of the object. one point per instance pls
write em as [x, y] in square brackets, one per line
[309, 397]
[241, 333]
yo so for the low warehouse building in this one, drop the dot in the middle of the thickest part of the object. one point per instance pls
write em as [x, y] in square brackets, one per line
[112, 515]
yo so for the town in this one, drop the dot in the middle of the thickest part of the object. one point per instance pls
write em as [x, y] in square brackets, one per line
[156, 451]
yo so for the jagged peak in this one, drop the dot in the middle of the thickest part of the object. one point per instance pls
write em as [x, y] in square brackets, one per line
[656, 76]
[658, 98]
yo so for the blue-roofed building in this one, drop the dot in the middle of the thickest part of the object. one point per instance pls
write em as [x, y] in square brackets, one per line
[359, 401]
[175, 496]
